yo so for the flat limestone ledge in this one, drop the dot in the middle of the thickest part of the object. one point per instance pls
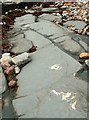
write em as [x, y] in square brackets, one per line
[70, 45]
[39, 40]
[51, 17]
[48, 29]
[41, 76]
[25, 19]
[77, 24]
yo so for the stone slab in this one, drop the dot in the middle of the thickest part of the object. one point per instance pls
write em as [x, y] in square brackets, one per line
[26, 19]
[38, 40]
[26, 110]
[48, 28]
[38, 79]
[51, 17]
[78, 24]
[69, 45]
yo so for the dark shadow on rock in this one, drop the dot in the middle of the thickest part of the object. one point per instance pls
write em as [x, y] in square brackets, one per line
[8, 109]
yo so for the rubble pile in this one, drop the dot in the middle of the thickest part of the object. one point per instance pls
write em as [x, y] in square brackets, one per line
[12, 65]
[76, 12]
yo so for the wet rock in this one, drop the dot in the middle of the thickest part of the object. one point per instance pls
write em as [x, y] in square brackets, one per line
[21, 59]
[77, 24]
[51, 17]
[26, 19]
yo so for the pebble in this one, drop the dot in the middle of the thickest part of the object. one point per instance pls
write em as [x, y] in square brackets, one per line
[17, 69]
[84, 55]
[12, 83]
[50, 9]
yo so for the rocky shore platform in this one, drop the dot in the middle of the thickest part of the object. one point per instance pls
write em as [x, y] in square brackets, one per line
[43, 45]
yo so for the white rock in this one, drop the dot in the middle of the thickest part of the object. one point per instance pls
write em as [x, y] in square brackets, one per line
[17, 69]
[5, 54]
[21, 59]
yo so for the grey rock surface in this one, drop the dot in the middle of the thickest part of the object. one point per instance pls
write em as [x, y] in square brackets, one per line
[48, 79]
[8, 110]
[47, 29]
[3, 82]
[21, 59]
[51, 17]
[77, 24]
[20, 44]
[69, 45]
[47, 86]
[37, 39]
